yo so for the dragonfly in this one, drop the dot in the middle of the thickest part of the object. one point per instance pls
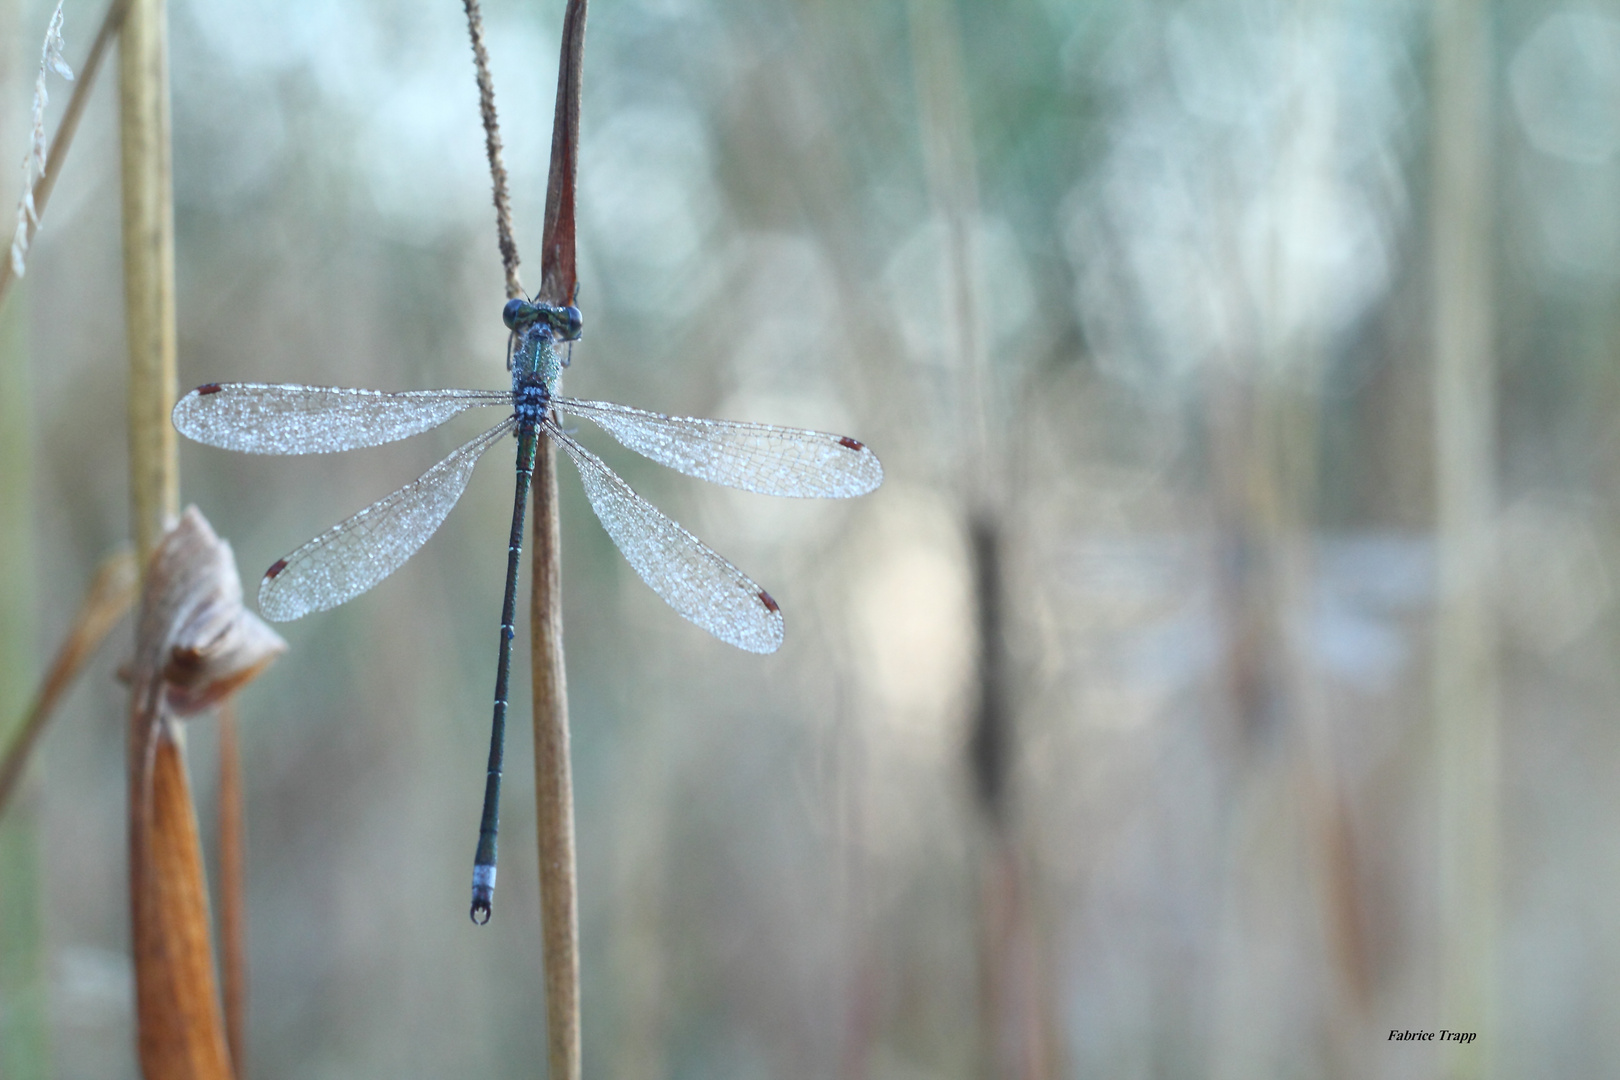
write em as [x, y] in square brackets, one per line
[357, 553]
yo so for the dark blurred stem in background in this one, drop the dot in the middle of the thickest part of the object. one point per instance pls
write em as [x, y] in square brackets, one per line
[991, 735]
[1014, 987]
[1465, 645]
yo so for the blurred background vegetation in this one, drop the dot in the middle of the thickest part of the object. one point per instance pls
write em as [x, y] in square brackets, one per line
[1222, 677]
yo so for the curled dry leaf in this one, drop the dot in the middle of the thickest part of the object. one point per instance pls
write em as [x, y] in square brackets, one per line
[197, 642]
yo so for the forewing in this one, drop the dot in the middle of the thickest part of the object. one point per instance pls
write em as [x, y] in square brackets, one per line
[691, 578]
[356, 554]
[259, 418]
[755, 457]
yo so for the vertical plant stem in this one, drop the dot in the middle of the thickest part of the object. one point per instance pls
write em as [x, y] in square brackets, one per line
[148, 270]
[1465, 676]
[559, 918]
[554, 793]
[180, 1029]
[232, 889]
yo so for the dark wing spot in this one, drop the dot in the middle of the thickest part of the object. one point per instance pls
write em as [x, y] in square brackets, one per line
[850, 444]
[765, 598]
[275, 568]
[210, 388]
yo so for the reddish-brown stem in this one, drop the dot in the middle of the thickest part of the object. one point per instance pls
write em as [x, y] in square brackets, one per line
[559, 917]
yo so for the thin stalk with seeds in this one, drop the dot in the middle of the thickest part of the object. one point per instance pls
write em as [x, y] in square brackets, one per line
[492, 146]
[110, 24]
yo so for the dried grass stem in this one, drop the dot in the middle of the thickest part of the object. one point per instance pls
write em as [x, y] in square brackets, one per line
[492, 146]
[110, 24]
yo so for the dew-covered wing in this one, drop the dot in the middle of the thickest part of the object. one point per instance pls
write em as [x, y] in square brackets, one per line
[691, 578]
[260, 418]
[356, 554]
[755, 457]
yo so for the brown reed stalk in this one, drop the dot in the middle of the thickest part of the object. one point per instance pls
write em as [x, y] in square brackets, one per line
[110, 595]
[110, 23]
[554, 812]
[232, 889]
[559, 902]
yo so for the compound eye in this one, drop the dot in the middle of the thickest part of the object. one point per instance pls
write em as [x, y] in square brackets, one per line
[574, 320]
[513, 314]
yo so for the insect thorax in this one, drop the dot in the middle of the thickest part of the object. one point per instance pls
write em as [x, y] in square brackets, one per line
[536, 361]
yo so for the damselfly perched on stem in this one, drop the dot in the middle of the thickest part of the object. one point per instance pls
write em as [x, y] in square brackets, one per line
[356, 554]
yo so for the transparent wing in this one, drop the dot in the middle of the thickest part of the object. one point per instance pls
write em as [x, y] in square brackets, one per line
[691, 578]
[354, 555]
[258, 418]
[755, 457]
